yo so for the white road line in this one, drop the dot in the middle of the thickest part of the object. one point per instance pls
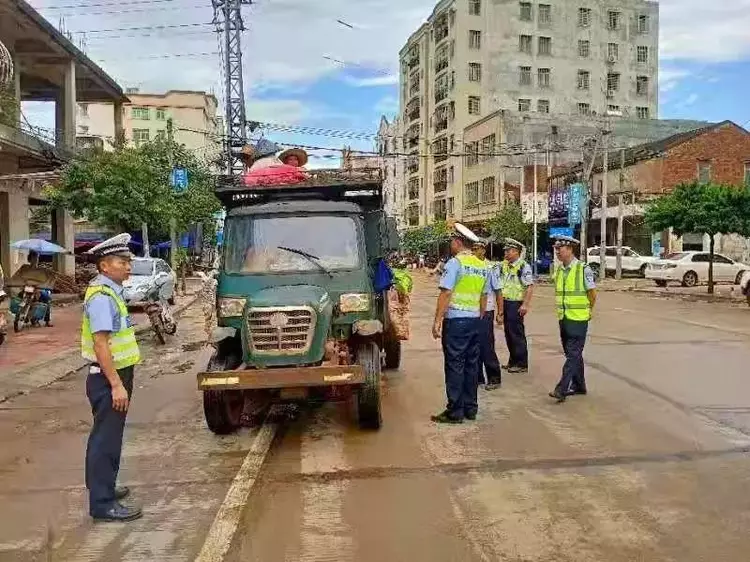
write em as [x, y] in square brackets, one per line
[220, 536]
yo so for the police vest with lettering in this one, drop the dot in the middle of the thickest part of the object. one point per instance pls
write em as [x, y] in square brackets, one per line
[571, 297]
[122, 344]
[468, 290]
[513, 289]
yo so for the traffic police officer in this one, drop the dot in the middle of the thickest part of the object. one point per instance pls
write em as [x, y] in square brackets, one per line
[575, 297]
[487, 354]
[108, 343]
[518, 282]
[457, 319]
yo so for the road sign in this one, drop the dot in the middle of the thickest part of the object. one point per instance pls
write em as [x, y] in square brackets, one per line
[561, 231]
[575, 195]
[179, 180]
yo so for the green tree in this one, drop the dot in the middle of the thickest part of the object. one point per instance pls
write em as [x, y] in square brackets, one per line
[126, 188]
[508, 223]
[702, 208]
[426, 239]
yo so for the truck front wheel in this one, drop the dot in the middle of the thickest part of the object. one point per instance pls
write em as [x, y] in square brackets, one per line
[368, 395]
[392, 354]
[222, 408]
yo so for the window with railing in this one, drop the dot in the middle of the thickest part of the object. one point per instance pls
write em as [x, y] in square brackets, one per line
[414, 84]
[440, 180]
[475, 72]
[488, 190]
[413, 187]
[412, 215]
[471, 194]
[442, 87]
[641, 85]
[441, 30]
[472, 153]
[442, 58]
[142, 113]
[488, 147]
[440, 209]
[524, 75]
[441, 118]
[412, 164]
[440, 149]
[413, 109]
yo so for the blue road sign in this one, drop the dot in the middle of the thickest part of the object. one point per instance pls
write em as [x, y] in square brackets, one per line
[561, 231]
[179, 180]
[575, 194]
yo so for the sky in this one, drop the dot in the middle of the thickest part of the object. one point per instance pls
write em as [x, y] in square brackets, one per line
[304, 68]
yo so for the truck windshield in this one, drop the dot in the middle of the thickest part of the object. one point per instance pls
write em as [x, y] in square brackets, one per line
[291, 244]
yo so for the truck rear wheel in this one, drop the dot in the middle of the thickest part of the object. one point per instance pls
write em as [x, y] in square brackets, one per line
[392, 354]
[222, 408]
[368, 395]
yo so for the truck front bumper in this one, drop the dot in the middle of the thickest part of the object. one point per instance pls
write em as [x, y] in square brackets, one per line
[282, 378]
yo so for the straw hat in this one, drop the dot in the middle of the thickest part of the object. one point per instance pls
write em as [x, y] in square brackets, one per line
[298, 152]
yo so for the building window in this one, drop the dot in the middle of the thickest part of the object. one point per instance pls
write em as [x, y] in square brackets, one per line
[83, 129]
[614, 109]
[545, 46]
[84, 107]
[161, 114]
[412, 215]
[542, 106]
[584, 49]
[475, 7]
[475, 72]
[526, 13]
[140, 113]
[747, 173]
[643, 24]
[488, 190]
[524, 43]
[613, 82]
[543, 75]
[584, 109]
[613, 52]
[704, 171]
[413, 187]
[140, 135]
[475, 107]
[643, 113]
[641, 85]
[451, 175]
[524, 105]
[584, 17]
[441, 210]
[642, 54]
[584, 79]
[475, 39]
[545, 14]
[471, 194]
[161, 134]
[613, 20]
[524, 78]
[472, 153]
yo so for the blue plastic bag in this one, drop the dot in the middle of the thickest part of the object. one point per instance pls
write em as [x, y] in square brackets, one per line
[383, 277]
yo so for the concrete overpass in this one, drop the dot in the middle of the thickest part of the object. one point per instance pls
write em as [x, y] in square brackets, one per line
[50, 68]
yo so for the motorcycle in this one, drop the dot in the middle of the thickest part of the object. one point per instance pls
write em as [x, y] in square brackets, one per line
[157, 308]
[3, 321]
[27, 309]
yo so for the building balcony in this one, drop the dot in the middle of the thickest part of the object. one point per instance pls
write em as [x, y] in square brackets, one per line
[440, 186]
[413, 63]
[441, 125]
[413, 194]
[414, 114]
[440, 95]
[441, 65]
[441, 33]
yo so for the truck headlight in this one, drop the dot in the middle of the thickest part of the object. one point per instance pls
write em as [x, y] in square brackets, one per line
[229, 307]
[354, 302]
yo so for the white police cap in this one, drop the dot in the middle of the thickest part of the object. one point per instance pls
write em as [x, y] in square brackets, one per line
[512, 243]
[562, 240]
[461, 231]
[115, 246]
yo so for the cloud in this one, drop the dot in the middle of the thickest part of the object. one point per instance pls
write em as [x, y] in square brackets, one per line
[387, 105]
[670, 77]
[288, 112]
[390, 80]
[690, 100]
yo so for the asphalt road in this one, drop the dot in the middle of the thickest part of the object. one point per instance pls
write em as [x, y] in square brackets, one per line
[652, 465]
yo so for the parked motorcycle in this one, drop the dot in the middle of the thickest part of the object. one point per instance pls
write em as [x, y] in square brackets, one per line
[152, 293]
[27, 309]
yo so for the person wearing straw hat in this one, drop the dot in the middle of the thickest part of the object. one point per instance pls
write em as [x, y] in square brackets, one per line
[294, 157]
[108, 344]
[518, 288]
[487, 353]
[575, 297]
[459, 308]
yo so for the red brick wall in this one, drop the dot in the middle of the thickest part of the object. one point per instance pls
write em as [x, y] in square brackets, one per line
[727, 148]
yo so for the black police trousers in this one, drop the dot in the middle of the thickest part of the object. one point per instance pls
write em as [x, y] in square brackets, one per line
[515, 334]
[573, 338]
[105, 441]
[461, 355]
[487, 351]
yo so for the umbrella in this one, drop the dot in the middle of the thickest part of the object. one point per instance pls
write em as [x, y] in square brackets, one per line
[39, 246]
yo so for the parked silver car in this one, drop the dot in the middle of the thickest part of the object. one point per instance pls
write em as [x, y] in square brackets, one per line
[144, 270]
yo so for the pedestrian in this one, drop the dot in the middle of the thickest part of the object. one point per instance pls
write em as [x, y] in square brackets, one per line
[108, 343]
[460, 306]
[294, 157]
[575, 297]
[487, 354]
[518, 287]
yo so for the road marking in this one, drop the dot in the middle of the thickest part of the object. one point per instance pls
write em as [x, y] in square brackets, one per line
[222, 531]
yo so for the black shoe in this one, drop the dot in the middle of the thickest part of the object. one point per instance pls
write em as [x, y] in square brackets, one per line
[492, 386]
[559, 396]
[119, 513]
[121, 492]
[518, 369]
[471, 417]
[445, 417]
[579, 392]
[50, 324]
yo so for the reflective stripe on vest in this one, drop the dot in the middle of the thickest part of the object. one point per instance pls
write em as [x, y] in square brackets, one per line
[468, 290]
[571, 297]
[513, 289]
[122, 344]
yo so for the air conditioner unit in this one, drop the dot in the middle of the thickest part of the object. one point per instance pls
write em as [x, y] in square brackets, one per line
[610, 93]
[611, 59]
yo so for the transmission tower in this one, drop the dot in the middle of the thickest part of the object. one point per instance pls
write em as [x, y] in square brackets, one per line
[228, 18]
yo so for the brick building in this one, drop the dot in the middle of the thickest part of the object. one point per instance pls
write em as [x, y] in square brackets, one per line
[718, 153]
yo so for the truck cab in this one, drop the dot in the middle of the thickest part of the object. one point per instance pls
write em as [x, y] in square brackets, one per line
[299, 317]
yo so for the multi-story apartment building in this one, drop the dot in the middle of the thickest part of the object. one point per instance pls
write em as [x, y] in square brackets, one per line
[473, 57]
[193, 114]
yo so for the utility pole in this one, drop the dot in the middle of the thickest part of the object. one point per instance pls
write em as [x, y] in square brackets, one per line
[585, 197]
[603, 221]
[620, 215]
[533, 212]
[172, 220]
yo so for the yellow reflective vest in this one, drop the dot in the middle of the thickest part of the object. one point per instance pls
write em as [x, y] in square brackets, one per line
[513, 289]
[468, 290]
[122, 344]
[571, 297]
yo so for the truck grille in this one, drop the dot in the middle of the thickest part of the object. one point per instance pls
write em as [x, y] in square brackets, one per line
[283, 330]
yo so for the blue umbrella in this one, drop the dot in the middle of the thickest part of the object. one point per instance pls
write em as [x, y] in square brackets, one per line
[39, 246]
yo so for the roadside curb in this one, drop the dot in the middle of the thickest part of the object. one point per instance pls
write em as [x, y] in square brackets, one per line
[70, 361]
[702, 297]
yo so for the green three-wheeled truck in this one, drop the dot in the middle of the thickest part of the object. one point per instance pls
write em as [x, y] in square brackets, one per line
[298, 316]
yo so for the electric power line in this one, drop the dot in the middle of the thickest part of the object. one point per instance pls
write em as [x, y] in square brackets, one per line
[145, 27]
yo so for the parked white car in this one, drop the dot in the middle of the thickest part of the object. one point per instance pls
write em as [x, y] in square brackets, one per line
[143, 271]
[691, 268]
[632, 261]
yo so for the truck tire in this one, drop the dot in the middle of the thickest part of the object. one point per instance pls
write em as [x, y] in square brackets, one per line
[368, 395]
[392, 350]
[222, 408]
